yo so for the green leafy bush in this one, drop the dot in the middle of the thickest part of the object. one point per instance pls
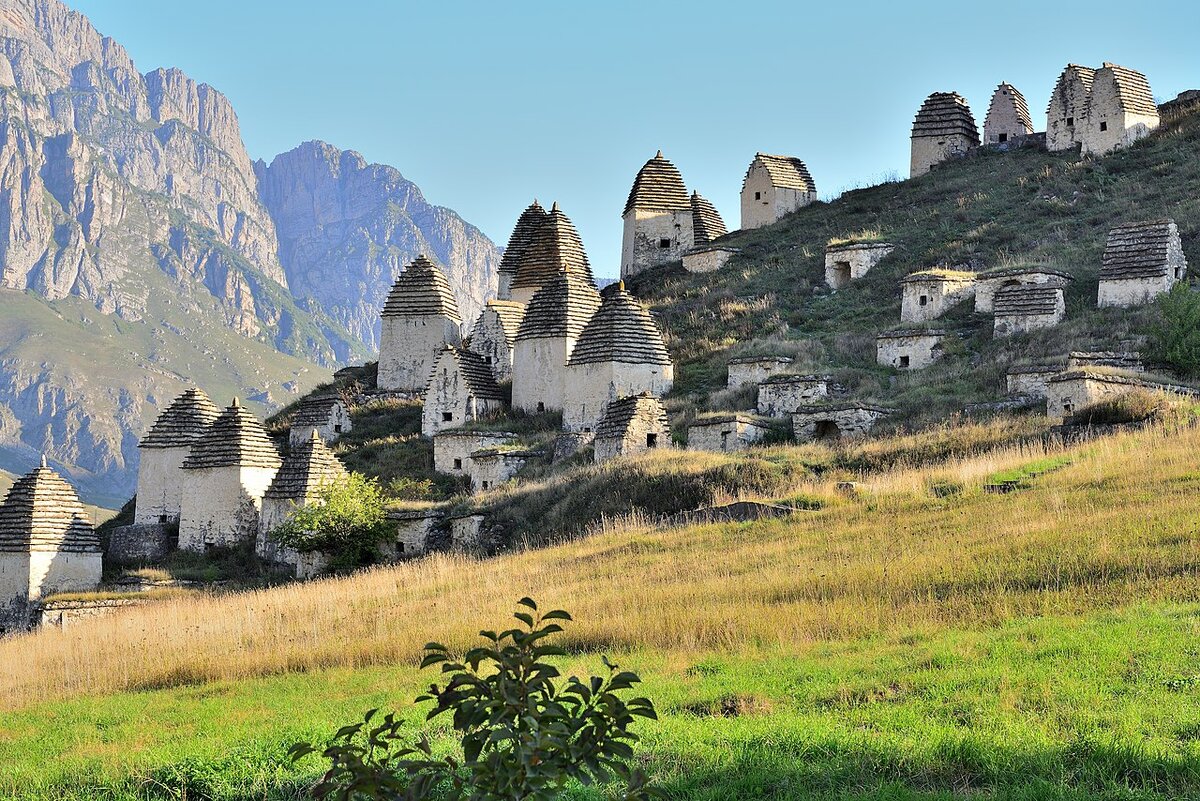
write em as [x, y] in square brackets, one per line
[523, 734]
[347, 520]
[1175, 336]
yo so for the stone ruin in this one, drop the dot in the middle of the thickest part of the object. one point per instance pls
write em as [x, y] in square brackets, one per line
[47, 546]
[462, 389]
[782, 394]
[724, 433]
[849, 261]
[1099, 110]
[1028, 307]
[928, 294]
[327, 415]
[943, 129]
[420, 317]
[1113, 360]
[453, 450]
[992, 281]
[414, 529]
[1141, 261]
[836, 421]
[1030, 380]
[708, 259]
[774, 186]
[910, 348]
[491, 467]
[1008, 119]
[630, 426]
[754, 369]
[494, 336]
[1071, 391]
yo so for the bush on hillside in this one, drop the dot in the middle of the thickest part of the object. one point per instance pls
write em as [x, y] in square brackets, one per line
[347, 520]
[1131, 407]
[522, 734]
[1175, 336]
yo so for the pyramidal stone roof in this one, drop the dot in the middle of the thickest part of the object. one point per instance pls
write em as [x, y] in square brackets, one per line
[509, 313]
[623, 411]
[707, 224]
[785, 172]
[422, 290]
[1070, 73]
[1140, 250]
[43, 513]
[235, 439]
[476, 373]
[1133, 90]
[621, 331]
[553, 247]
[658, 187]
[945, 114]
[310, 467]
[315, 411]
[1027, 299]
[181, 423]
[561, 308]
[523, 232]
[1008, 95]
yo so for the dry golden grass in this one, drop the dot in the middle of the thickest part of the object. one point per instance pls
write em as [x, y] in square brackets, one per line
[1117, 522]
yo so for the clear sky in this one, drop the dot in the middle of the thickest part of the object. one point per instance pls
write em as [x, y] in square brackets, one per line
[486, 105]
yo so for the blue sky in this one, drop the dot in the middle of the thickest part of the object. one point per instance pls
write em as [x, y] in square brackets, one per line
[486, 105]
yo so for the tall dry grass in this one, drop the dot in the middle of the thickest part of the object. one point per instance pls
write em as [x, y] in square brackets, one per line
[1115, 525]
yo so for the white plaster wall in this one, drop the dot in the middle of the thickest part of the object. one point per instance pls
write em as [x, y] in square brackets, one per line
[851, 423]
[589, 388]
[930, 150]
[724, 437]
[643, 232]
[940, 297]
[1104, 111]
[1009, 326]
[921, 351]
[781, 400]
[160, 485]
[754, 372]
[221, 506]
[858, 262]
[1064, 398]
[448, 447]
[986, 288]
[488, 340]
[772, 203]
[408, 347]
[539, 373]
[14, 588]
[53, 572]
[448, 394]
[1132, 291]
[338, 423]
[706, 261]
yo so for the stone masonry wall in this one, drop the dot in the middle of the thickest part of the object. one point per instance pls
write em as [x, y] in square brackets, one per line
[844, 264]
[539, 373]
[741, 373]
[928, 151]
[732, 435]
[909, 352]
[589, 388]
[778, 399]
[160, 485]
[922, 301]
[221, 506]
[763, 203]
[408, 347]
[708, 260]
[145, 542]
[848, 423]
[644, 234]
[1132, 291]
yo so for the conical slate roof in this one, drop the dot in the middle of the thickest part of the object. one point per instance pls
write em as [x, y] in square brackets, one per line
[658, 187]
[422, 290]
[1072, 72]
[560, 308]
[315, 411]
[785, 172]
[945, 114]
[509, 313]
[307, 469]
[707, 224]
[1141, 250]
[1008, 102]
[621, 331]
[1133, 90]
[181, 423]
[43, 513]
[236, 438]
[553, 247]
[620, 413]
[476, 373]
[523, 232]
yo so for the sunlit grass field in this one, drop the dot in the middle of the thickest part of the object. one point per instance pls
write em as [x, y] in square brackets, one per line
[922, 638]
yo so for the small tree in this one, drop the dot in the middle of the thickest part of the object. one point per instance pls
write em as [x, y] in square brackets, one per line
[347, 520]
[523, 735]
[1175, 336]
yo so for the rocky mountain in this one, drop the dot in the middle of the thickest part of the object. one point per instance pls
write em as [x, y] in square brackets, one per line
[141, 250]
[347, 228]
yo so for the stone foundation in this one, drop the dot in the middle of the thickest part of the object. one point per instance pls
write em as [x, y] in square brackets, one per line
[142, 543]
[708, 260]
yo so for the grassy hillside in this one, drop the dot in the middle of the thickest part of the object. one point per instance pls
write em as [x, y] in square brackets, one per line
[923, 639]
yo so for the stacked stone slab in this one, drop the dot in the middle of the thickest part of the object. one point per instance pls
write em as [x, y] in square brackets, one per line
[1008, 117]
[632, 425]
[835, 421]
[420, 317]
[309, 468]
[620, 352]
[523, 233]
[707, 224]
[47, 545]
[1141, 261]
[754, 369]
[1100, 110]
[773, 187]
[554, 247]
[462, 389]
[943, 129]
[850, 261]
[725, 433]
[162, 452]
[784, 393]
[228, 469]
[495, 335]
[658, 221]
[992, 281]
[553, 323]
[929, 294]
[326, 415]
[1026, 308]
[910, 349]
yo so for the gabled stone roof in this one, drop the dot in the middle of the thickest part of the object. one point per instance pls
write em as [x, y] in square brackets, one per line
[476, 373]
[621, 331]
[776, 359]
[310, 467]
[509, 313]
[1139, 250]
[181, 423]
[523, 232]
[42, 513]
[785, 172]
[1072, 72]
[1007, 93]
[1133, 90]
[422, 290]
[939, 276]
[235, 438]
[945, 114]
[560, 308]
[793, 378]
[1016, 272]
[553, 247]
[623, 411]
[905, 333]
[707, 224]
[658, 187]
[1027, 299]
[843, 246]
[315, 411]
[824, 408]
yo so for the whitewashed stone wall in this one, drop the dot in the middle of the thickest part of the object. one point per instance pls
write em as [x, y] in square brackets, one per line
[742, 371]
[846, 263]
[835, 422]
[466, 532]
[987, 287]
[590, 388]
[413, 529]
[490, 469]
[708, 260]
[780, 398]
[1128, 292]
[928, 151]
[68, 614]
[452, 449]
[724, 435]
[1070, 392]
[222, 506]
[924, 300]
[654, 237]
[489, 341]
[408, 347]
[1009, 325]
[914, 351]
[1066, 117]
[1109, 127]
[31, 576]
[160, 485]
[539, 373]
[643, 434]
[449, 402]
[763, 203]
[336, 425]
[1031, 382]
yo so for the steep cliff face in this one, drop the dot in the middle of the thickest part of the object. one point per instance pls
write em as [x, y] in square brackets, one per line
[346, 229]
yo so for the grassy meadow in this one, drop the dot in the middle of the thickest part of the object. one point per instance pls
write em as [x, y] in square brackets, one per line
[920, 639]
